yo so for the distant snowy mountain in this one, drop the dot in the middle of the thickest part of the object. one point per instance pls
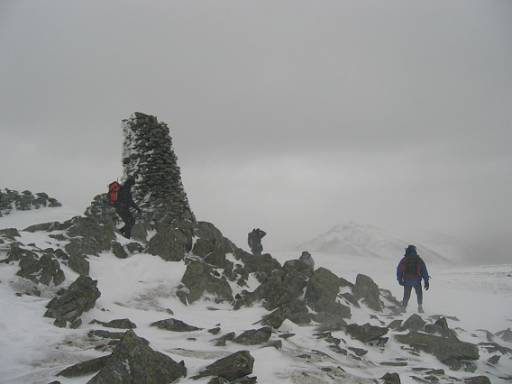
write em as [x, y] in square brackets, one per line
[368, 241]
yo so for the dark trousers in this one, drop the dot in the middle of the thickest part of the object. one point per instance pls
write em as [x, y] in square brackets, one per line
[129, 221]
[407, 294]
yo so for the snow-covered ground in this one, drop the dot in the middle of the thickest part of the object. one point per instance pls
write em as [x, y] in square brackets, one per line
[142, 288]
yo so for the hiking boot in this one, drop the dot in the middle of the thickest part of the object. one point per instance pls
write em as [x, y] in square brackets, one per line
[420, 309]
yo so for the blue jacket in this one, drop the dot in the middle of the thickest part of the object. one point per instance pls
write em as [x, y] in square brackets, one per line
[411, 280]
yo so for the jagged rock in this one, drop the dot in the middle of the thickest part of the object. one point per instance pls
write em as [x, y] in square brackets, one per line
[395, 324]
[209, 239]
[449, 351]
[277, 344]
[88, 237]
[254, 336]
[477, 380]
[295, 311]
[199, 279]
[85, 368]
[262, 265]
[78, 298]
[322, 291]
[10, 233]
[43, 270]
[106, 334]
[148, 156]
[391, 378]
[133, 361]
[307, 259]
[358, 351]
[15, 252]
[365, 333]
[505, 335]
[232, 367]
[221, 341]
[118, 250]
[117, 323]
[493, 360]
[440, 327]
[170, 244]
[413, 323]
[366, 289]
[214, 331]
[174, 325]
[78, 263]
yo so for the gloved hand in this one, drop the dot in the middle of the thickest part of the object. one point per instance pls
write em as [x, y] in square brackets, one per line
[427, 286]
[401, 282]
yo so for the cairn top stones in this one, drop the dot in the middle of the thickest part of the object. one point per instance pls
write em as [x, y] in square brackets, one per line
[148, 156]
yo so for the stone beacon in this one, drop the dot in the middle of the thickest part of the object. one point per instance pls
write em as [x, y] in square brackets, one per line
[149, 157]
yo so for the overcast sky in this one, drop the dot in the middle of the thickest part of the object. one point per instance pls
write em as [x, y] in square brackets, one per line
[288, 115]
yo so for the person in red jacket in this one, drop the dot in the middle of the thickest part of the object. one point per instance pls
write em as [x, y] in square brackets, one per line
[409, 273]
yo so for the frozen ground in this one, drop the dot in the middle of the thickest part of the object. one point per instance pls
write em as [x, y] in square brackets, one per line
[142, 288]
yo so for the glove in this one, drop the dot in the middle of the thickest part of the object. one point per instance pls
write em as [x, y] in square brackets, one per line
[400, 282]
[427, 286]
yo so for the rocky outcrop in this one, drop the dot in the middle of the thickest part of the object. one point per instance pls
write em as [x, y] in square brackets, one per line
[232, 367]
[132, 361]
[13, 200]
[199, 279]
[366, 333]
[44, 270]
[171, 243]
[77, 299]
[448, 350]
[413, 323]
[367, 290]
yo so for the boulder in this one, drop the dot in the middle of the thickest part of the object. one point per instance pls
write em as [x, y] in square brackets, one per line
[232, 367]
[322, 291]
[365, 288]
[413, 323]
[118, 250]
[440, 327]
[10, 233]
[117, 323]
[296, 311]
[78, 263]
[254, 336]
[78, 298]
[199, 279]
[170, 243]
[366, 333]
[221, 341]
[133, 361]
[449, 351]
[174, 325]
[45, 270]
[391, 378]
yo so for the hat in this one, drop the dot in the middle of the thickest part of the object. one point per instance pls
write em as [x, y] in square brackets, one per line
[411, 251]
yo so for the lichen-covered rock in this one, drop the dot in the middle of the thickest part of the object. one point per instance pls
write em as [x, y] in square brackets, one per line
[232, 367]
[77, 299]
[133, 361]
[174, 325]
[254, 336]
[365, 288]
[448, 350]
[77, 262]
[366, 333]
[200, 279]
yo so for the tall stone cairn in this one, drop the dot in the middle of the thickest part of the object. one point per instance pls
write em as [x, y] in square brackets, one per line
[148, 156]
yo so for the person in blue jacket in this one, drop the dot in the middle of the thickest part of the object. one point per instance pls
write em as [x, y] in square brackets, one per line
[409, 273]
